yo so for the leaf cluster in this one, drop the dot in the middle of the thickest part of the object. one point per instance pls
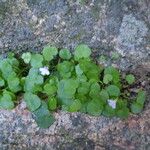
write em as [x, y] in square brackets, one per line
[69, 82]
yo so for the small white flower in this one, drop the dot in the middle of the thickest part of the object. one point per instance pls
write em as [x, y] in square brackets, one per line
[112, 103]
[44, 71]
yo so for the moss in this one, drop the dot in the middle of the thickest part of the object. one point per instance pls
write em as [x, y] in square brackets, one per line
[31, 2]
[84, 2]
[4, 7]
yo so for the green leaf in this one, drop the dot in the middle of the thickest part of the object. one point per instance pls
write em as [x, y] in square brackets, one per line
[82, 78]
[67, 88]
[84, 88]
[83, 108]
[108, 111]
[53, 80]
[50, 89]
[85, 65]
[13, 96]
[107, 78]
[94, 108]
[52, 103]
[65, 68]
[113, 91]
[94, 73]
[14, 63]
[136, 108]
[33, 80]
[2, 82]
[94, 90]
[35, 76]
[33, 101]
[65, 54]
[91, 70]
[26, 57]
[13, 83]
[130, 79]
[82, 51]
[43, 117]
[79, 71]
[49, 52]
[36, 61]
[104, 95]
[75, 106]
[5, 68]
[123, 113]
[114, 73]
[10, 55]
[81, 97]
[121, 104]
[6, 101]
[65, 102]
[29, 85]
[141, 97]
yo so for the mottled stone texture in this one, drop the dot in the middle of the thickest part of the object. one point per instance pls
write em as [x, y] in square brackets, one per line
[106, 26]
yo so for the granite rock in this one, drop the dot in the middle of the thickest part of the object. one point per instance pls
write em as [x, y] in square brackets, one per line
[107, 26]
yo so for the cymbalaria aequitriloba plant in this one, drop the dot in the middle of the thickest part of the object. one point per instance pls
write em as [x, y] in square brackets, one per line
[57, 79]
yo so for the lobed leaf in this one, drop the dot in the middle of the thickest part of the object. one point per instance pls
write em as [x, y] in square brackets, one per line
[65, 54]
[113, 91]
[33, 101]
[52, 103]
[82, 51]
[6, 101]
[49, 52]
[130, 79]
[43, 117]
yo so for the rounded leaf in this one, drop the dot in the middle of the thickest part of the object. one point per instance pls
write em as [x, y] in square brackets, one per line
[65, 54]
[33, 101]
[26, 57]
[136, 108]
[6, 101]
[94, 108]
[75, 106]
[104, 95]
[36, 60]
[50, 89]
[82, 51]
[43, 117]
[49, 52]
[123, 113]
[79, 71]
[114, 73]
[2, 82]
[107, 78]
[113, 91]
[52, 103]
[141, 97]
[130, 79]
[67, 88]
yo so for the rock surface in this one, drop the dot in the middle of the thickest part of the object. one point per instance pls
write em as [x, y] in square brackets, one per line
[107, 26]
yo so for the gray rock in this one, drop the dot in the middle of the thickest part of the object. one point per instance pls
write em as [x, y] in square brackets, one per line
[131, 36]
[107, 26]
